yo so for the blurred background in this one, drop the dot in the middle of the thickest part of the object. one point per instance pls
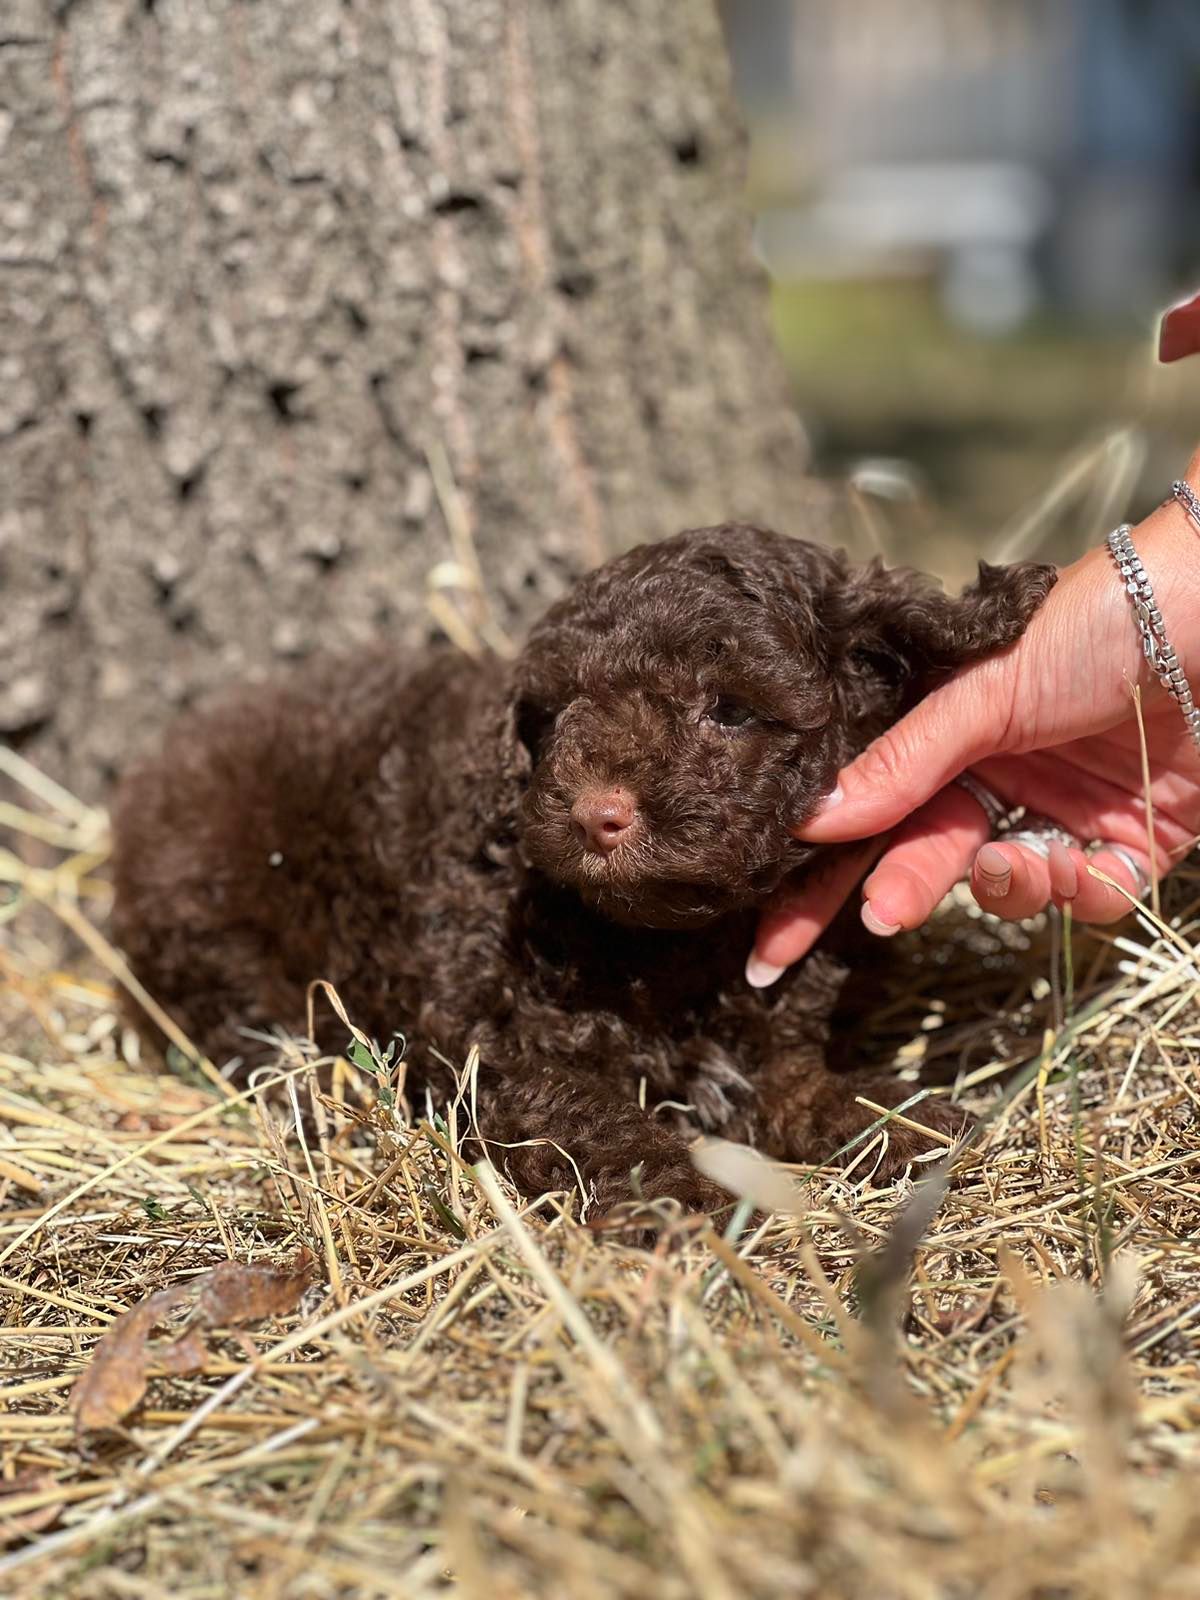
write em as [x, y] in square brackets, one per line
[321, 321]
[973, 213]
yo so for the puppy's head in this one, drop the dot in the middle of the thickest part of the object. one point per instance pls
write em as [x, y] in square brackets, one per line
[690, 702]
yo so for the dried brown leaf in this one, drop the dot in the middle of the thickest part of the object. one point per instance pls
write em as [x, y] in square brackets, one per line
[231, 1295]
[234, 1294]
[114, 1380]
[183, 1355]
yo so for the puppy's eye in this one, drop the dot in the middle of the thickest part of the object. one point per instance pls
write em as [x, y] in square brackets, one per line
[729, 713]
[535, 723]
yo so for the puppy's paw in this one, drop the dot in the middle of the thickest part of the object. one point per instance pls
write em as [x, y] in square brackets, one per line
[647, 1202]
[904, 1144]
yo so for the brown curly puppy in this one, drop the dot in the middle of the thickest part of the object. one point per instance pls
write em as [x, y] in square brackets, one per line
[559, 860]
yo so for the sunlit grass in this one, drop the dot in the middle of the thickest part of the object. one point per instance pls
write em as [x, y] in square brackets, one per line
[478, 1395]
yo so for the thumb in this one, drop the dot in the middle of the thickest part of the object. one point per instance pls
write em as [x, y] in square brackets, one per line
[961, 722]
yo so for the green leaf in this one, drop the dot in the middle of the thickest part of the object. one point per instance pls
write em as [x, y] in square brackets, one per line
[447, 1216]
[361, 1056]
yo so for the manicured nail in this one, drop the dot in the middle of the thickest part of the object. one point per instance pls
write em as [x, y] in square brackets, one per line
[995, 874]
[761, 974]
[829, 801]
[1064, 875]
[875, 923]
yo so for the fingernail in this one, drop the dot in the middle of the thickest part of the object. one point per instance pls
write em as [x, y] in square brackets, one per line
[761, 974]
[875, 923]
[1063, 871]
[995, 874]
[829, 801]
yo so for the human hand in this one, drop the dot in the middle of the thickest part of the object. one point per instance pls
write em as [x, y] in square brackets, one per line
[1049, 724]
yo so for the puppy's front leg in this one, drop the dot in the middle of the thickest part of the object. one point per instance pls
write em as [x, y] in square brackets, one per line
[555, 1126]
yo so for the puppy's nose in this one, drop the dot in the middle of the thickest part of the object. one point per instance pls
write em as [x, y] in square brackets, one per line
[604, 818]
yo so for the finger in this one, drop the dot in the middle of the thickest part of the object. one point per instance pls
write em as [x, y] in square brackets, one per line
[1010, 881]
[1085, 803]
[954, 726]
[1098, 901]
[925, 859]
[795, 918]
[1065, 872]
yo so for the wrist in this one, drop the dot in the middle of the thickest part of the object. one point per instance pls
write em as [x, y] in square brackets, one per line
[1169, 546]
[1088, 632]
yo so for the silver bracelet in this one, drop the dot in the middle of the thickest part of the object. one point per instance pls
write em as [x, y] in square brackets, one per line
[1155, 645]
[1188, 499]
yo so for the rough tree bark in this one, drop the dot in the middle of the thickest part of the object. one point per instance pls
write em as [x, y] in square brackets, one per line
[261, 264]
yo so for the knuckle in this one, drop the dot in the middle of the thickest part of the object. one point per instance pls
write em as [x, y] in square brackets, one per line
[889, 760]
[931, 860]
[923, 882]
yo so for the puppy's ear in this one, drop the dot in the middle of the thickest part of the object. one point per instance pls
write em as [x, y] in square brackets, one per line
[488, 777]
[931, 630]
[521, 728]
[898, 628]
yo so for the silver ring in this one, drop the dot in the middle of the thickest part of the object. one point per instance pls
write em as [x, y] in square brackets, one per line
[1127, 860]
[1038, 839]
[993, 808]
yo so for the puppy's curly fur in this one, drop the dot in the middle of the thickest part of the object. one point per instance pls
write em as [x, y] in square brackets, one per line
[404, 829]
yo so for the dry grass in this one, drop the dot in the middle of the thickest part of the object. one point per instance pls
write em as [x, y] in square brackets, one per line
[479, 1394]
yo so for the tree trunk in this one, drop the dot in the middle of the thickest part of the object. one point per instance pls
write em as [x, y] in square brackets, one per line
[302, 301]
